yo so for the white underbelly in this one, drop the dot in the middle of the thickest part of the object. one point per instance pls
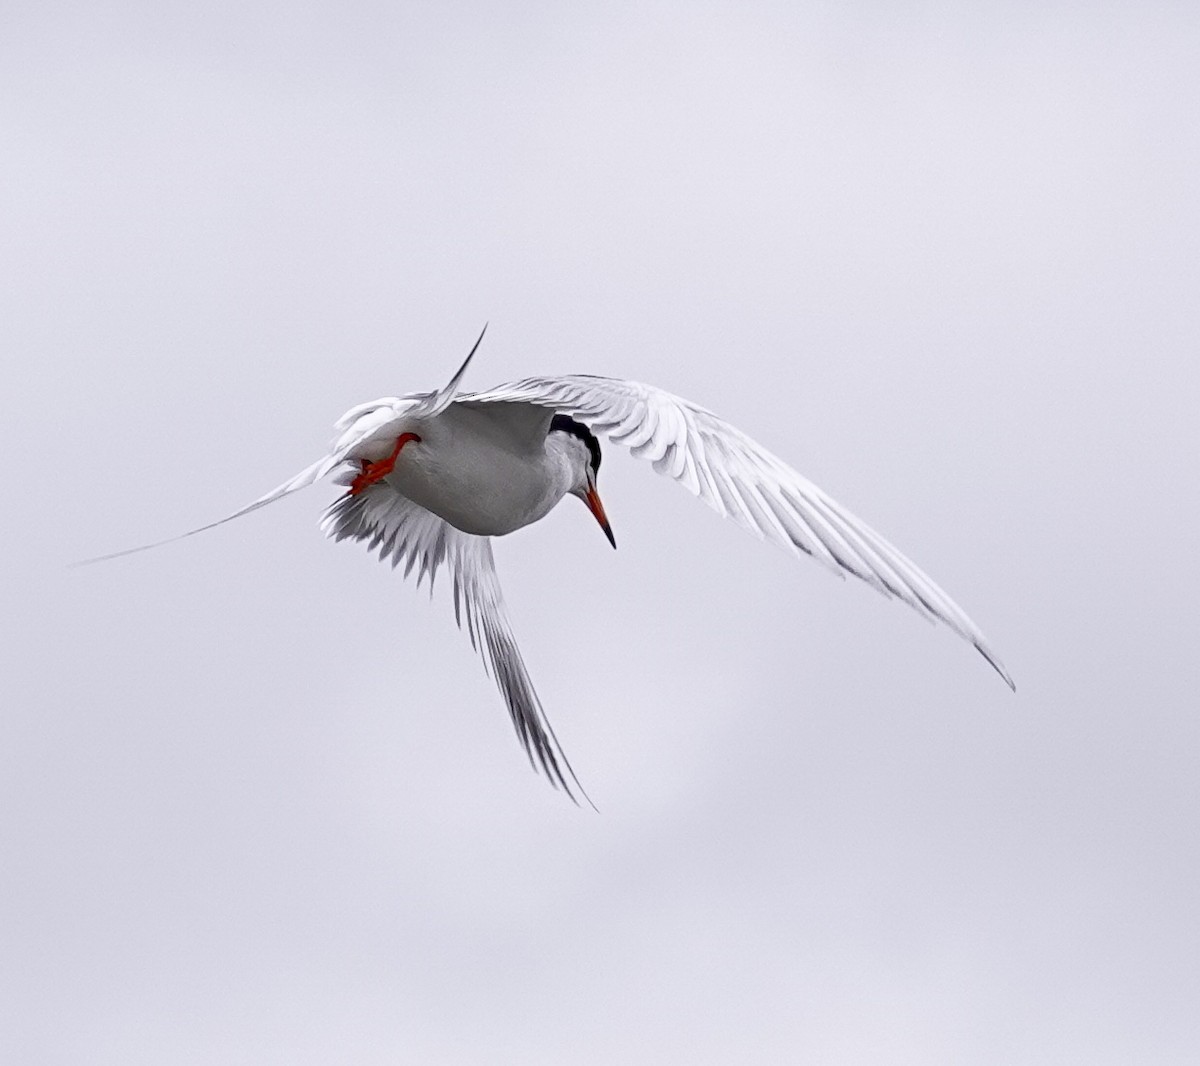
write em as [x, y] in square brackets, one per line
[472, 484]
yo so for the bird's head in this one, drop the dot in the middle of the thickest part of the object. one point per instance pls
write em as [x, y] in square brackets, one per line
[583, 451]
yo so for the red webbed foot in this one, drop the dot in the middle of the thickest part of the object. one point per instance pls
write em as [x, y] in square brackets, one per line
[372, 472]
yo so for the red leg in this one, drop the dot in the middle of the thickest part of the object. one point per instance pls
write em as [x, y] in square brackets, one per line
[372, 472]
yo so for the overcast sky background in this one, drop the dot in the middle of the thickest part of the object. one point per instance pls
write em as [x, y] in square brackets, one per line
[259, 802]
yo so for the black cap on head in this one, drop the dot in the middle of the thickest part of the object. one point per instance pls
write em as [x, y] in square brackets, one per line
[566, 424]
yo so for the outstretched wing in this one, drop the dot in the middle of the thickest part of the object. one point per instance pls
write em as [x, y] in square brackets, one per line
[364, 432]
[742, 480]
[405, 532]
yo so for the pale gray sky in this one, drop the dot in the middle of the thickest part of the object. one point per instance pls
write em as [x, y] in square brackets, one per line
[258, 801]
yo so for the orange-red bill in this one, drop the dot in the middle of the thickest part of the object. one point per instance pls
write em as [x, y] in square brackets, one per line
[592, 499]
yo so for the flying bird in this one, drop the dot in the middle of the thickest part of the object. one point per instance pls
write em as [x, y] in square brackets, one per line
[431, 478]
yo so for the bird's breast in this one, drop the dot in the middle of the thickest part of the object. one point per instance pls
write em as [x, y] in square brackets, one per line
[474, 484]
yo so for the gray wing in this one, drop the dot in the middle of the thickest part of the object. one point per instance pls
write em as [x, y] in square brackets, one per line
[404, 532]
[742, 480]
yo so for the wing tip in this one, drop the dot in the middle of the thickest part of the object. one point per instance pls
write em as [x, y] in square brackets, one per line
[562, 784]
[995, 663]
[550, 763]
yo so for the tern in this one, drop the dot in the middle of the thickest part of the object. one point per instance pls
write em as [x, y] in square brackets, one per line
[432, 477]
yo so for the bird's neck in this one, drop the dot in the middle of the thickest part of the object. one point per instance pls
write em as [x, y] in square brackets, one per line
[558, 464]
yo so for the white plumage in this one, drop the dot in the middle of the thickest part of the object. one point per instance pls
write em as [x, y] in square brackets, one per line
[434, 476]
